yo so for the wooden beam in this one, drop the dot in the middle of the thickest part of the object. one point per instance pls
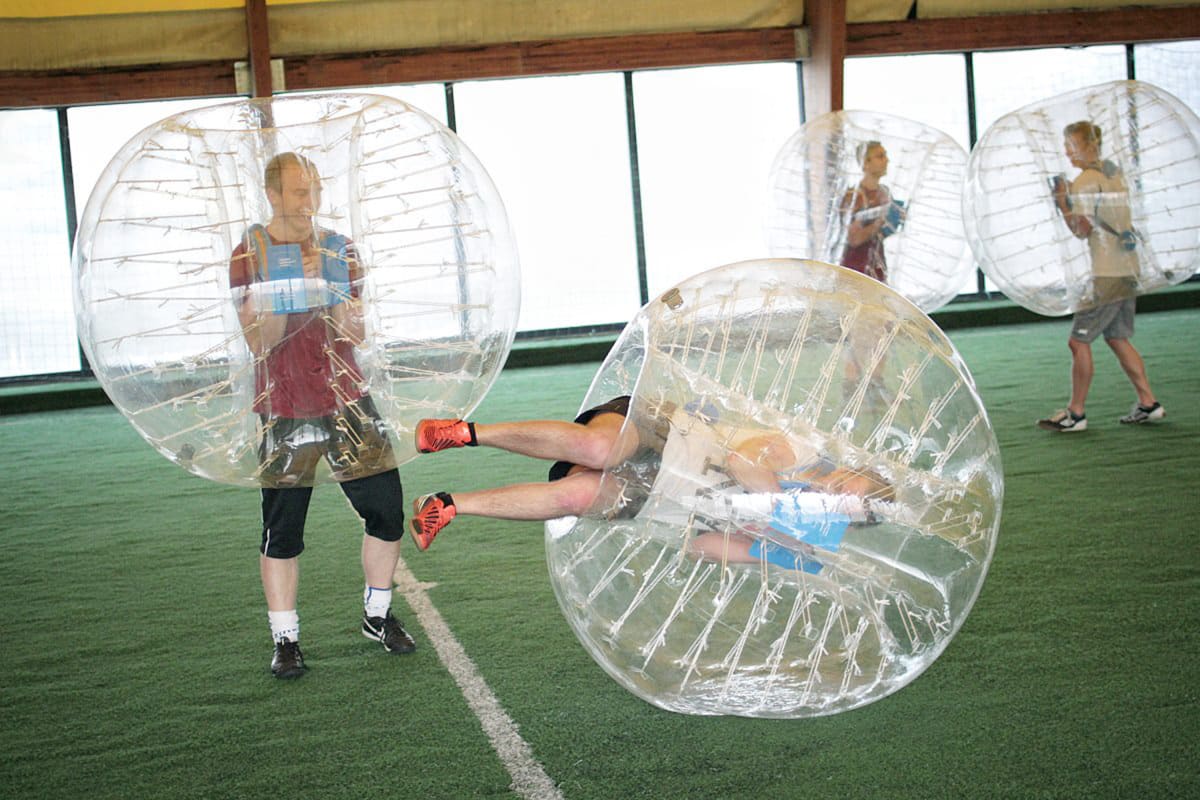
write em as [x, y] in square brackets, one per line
[551, 57]
[823, 72]
[208, 79]
[519, 59]
[81, 87]
[1014, 31]
[259, 41]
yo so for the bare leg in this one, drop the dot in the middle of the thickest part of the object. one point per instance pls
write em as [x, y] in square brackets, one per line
[379, 561]
[717, 546]
[1135, 369]
[281, 582]
[572, 495]
[1082, 370]
[586, 445]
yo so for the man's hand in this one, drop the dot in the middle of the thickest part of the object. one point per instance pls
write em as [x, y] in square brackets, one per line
[311, 261]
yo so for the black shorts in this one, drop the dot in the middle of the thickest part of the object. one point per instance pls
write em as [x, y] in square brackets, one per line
[355, 444]
[618, 405]
[378, 500]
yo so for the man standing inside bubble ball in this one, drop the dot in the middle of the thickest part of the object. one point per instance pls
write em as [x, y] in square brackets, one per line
[1095, 206]
[301, 315]
[789, 504]
[871, 215]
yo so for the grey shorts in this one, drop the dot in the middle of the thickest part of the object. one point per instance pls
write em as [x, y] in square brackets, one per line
[1114, 320]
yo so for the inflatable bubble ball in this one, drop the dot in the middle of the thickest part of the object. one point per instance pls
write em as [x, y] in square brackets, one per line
[275, 291]
[877, 193]
[1087, 197]
[802, 504]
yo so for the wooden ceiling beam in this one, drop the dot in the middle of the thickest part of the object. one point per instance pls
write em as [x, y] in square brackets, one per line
[519, 59]
[1016, 31]
[601, 54]
[84, 87]
[551, 57]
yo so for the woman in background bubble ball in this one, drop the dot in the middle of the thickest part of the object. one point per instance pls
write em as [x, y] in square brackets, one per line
[871, 213]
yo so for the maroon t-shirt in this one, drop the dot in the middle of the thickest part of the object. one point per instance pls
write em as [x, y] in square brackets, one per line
[868, 257]
[311, 371]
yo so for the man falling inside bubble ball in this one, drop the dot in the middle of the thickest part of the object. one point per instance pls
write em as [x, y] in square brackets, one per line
[296, 286]
[751, 495]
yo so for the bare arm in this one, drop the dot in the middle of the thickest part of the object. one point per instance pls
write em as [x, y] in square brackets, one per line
[1079, 225]
[348, 319]
[860, 231]
[757, 462]
[347, 316]
[262, 330]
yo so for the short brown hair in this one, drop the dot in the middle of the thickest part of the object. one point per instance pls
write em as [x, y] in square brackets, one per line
[1088, 130]
[864, 149]
[272, 174]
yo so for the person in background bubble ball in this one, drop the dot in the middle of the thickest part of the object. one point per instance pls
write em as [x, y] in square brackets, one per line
[296, 287]
[871, 213]
[872, 216]
[773, 489]
[1095, 206]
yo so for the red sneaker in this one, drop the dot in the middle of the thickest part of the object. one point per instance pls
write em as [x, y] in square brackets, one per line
[431, 513]
[442, 434]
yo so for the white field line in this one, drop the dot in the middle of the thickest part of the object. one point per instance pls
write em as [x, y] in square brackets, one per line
[528, 778]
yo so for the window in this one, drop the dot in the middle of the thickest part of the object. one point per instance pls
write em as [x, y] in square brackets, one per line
[37, 318]
[99, 132]
[1007, 81]
[1173, 66]
[706, 140]
[930, 89]
[558, 151]
[428, 97]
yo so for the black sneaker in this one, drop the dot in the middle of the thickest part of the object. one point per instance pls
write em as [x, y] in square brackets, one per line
[390, 632]
[288, 661]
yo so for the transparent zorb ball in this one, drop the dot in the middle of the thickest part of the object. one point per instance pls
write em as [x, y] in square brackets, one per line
[703, 596]
[401, 303]
[1134, 207]
[814, 196]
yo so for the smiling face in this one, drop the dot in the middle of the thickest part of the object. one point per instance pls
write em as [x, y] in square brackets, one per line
[295, 201]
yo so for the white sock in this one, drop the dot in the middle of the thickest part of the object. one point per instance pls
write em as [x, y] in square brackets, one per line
[376, 602]
[284, 625]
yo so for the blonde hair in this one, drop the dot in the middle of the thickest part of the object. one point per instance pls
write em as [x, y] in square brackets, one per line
[1088, 130]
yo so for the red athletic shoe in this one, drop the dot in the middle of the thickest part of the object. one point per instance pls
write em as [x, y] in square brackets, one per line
[442, 434]
[431, 513]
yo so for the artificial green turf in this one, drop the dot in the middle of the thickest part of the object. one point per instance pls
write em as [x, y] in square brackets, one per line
[134, 646]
